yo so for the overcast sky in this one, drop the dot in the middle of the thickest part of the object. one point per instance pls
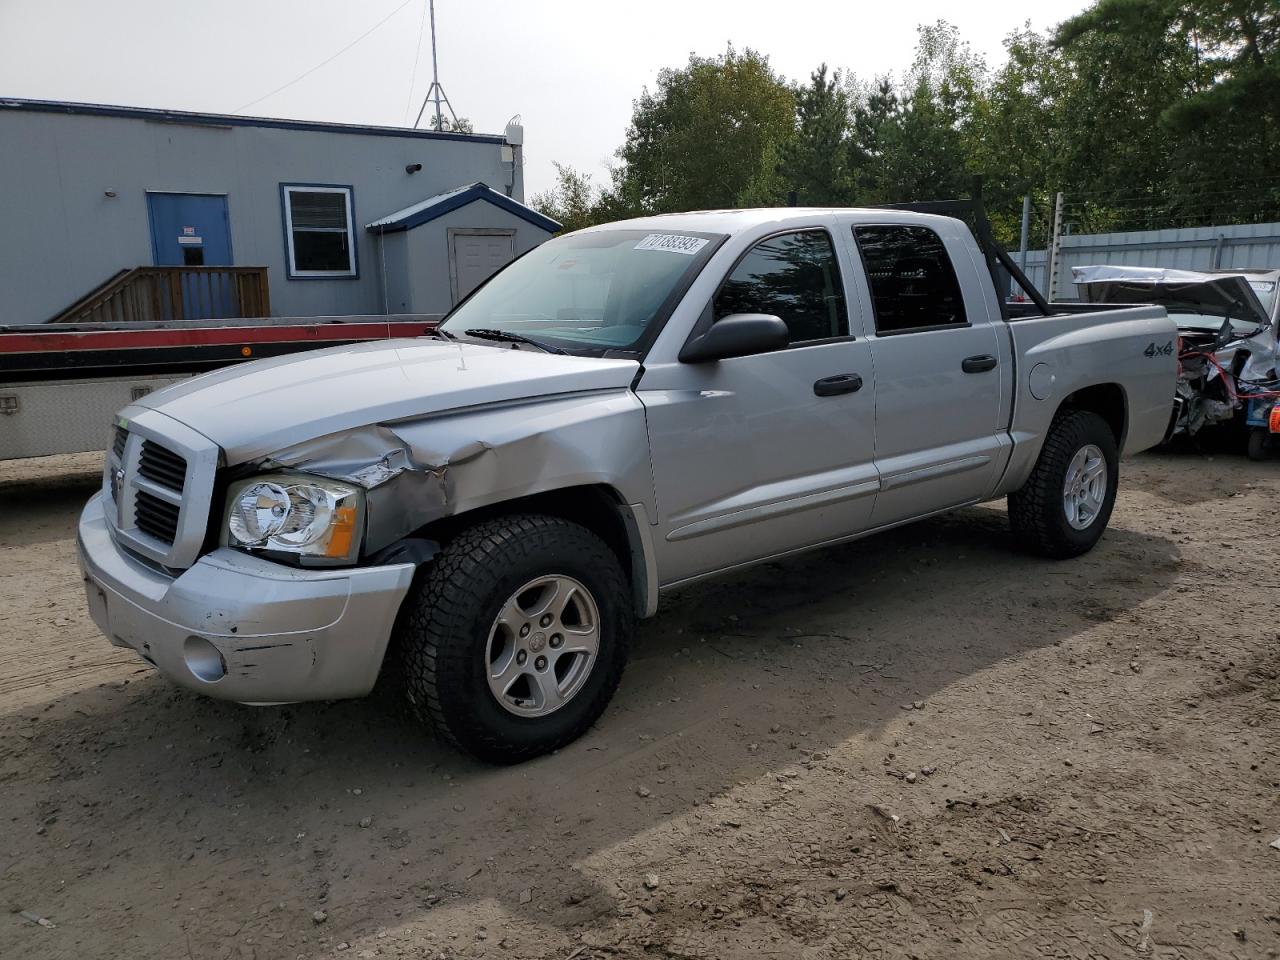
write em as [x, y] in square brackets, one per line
[570, 68]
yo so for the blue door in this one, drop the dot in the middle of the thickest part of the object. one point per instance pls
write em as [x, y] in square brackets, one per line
[193, 230]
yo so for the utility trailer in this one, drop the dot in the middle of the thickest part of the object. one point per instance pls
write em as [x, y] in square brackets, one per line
[60, 384]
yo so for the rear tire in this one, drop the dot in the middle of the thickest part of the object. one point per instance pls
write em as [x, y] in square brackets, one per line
[463, 624]
[1061, 511]
[1259, 447]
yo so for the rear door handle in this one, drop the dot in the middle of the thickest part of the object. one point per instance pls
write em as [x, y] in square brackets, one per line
[980, 364]
[840, 383]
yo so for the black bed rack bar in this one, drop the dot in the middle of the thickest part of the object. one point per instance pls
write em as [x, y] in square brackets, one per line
[992, 252]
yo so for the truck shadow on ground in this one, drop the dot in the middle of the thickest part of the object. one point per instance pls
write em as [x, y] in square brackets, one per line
[40, 510]
[148, 798]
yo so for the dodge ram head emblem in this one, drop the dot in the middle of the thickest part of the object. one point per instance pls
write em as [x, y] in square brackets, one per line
[117, 483]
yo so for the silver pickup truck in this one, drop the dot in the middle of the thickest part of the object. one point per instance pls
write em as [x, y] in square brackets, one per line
[481, 517]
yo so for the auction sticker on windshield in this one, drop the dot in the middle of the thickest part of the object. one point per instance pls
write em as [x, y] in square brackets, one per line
[672, 243]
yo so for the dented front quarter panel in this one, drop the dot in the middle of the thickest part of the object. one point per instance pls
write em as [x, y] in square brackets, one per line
[419, 470]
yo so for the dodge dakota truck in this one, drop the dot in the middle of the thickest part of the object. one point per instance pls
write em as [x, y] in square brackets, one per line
[480, 517]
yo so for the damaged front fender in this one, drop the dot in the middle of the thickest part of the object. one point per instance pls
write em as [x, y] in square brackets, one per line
[418, 471]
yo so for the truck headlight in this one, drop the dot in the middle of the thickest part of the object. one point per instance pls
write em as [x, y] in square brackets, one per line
[312, 518]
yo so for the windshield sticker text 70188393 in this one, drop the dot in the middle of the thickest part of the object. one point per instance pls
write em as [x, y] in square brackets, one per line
[671, 243]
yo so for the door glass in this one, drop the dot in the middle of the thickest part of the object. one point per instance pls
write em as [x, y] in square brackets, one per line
[793, 276]
[913, 284]
[193, 256]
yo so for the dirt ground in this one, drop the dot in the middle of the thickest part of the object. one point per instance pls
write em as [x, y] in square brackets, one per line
[921, 745]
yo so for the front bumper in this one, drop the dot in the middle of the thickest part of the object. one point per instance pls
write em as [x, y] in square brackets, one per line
[242, 628]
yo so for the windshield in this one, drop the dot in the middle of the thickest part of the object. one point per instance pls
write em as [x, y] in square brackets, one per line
[599, 291]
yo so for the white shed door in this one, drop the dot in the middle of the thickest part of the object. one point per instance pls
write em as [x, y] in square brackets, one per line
[476, 257]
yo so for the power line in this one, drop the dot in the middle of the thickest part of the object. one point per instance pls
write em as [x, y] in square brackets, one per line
[417, 54]
[1227, 207]
[1182, 185]
[325, 62]
[1178, 199]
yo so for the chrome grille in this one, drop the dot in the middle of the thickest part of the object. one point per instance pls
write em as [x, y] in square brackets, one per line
[157, 487]
[155, 517]
[162, 466]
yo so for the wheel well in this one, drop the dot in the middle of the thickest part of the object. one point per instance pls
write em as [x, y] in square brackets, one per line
[597, 507]
[1107, 400]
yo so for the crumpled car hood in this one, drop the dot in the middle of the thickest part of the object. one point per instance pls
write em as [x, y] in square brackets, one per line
[1178, 291]
[255, 409]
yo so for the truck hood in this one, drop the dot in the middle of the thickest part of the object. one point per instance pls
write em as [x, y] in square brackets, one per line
[1220, 295]
[255, 409]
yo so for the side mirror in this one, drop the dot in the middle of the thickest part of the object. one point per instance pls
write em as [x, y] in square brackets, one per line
[737, 335]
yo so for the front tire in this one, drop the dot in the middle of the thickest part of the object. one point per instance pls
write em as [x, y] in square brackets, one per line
[516, 639]
[1063, 508]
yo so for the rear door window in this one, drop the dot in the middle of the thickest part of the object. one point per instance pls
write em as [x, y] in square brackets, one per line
[913, 284]
[793, 276]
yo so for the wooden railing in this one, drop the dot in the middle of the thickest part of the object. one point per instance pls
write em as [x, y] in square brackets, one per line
[159, 294]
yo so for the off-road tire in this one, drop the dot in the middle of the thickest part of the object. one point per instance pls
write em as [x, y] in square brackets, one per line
[444, 630]
[1036, 512]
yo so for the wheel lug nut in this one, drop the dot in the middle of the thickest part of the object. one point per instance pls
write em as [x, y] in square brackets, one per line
[541, 663]
[546, 620]
[556, 640]
[521, 657]
[524, 631]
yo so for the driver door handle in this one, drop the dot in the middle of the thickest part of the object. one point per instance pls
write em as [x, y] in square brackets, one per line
[840, 383]
[979, 364]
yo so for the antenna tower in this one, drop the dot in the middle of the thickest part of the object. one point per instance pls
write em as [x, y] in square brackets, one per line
[435, 92]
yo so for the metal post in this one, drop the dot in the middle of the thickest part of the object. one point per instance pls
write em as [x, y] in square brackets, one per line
[1055, 248]
[435, 93]
[435, 73]
[1026, 233]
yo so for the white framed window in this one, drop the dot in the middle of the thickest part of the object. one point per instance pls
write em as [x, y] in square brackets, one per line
[319, 235]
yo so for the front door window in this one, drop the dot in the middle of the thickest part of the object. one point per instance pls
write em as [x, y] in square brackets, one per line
[793, 276]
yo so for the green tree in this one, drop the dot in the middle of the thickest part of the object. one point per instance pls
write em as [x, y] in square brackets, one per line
[706, 137]
[1020, 135]
[875, 114]
[814, 162]
[924, 149]
[1146, 113]
[1124, 81]
[924, 145]
[1196, 86]
[451, 125]
[1235, 47]
[574, 202]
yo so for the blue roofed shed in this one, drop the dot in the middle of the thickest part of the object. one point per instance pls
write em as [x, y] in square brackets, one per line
[473, 228]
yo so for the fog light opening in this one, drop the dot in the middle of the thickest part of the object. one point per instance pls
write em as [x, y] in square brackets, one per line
[203, 660]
